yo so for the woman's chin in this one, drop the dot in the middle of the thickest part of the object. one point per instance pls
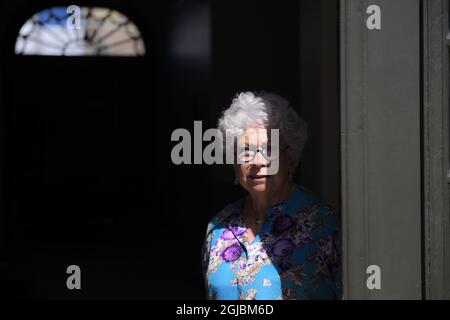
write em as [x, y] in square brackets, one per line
[259, 186]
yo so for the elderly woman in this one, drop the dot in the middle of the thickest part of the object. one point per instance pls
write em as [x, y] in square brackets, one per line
[279, 241]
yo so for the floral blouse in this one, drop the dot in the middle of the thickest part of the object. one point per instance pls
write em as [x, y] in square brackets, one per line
[296, 255]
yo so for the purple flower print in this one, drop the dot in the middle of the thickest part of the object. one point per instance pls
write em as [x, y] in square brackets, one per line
[232, 231]
[237, 230]
[283, 248]
[276, 210]
[227, 235]
[285, 265]
[282, 223]
[242, 264]
[232, 252]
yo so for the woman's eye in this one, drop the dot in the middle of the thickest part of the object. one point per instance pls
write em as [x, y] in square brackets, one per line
[245, 150]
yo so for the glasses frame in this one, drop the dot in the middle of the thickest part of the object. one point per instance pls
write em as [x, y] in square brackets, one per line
[263, 152]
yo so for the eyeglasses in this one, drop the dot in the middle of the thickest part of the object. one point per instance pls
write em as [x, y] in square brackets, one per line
[247, 153]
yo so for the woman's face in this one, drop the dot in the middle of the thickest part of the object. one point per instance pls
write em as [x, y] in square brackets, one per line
[254, 175]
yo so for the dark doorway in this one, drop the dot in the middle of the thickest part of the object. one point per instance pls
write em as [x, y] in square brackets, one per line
[87, 177]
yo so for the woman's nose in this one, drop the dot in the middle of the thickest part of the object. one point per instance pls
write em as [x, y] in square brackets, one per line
[260, 160]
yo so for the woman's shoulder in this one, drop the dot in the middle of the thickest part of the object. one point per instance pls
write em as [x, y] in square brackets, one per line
[318, 209]
[306, 198]
[225, 216]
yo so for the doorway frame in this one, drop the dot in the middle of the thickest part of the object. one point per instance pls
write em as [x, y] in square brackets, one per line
[436, 46]
[381, 156]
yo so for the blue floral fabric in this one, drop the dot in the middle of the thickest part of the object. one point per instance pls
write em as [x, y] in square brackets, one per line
[296, 255]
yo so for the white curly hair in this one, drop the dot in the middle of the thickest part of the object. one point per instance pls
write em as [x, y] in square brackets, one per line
[270, 110]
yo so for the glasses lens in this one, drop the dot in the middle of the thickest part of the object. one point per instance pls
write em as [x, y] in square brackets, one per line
[269, 153]
[245, 154]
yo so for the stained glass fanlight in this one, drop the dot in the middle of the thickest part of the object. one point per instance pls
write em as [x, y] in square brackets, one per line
[79, 31]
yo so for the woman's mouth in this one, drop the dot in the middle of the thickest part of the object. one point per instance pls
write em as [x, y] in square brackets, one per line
[258, 177]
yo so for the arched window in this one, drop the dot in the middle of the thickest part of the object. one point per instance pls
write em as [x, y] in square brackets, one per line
[79, 31]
